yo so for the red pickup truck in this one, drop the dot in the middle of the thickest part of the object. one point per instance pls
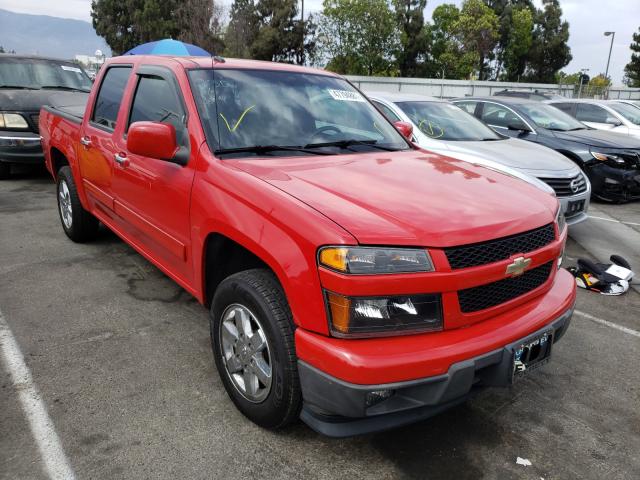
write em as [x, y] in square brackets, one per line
[354, 280]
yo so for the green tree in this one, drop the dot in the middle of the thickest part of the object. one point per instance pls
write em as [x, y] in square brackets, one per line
[242, 30]
[280, 36]
[127, 24]
[463, 39]
[200, 23]
[359, 37]
[632, 69]
[413, 36]
[549, 50]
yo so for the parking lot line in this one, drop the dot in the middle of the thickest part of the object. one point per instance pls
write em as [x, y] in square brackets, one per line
[42, 428]
[607, 323]
[614, 220]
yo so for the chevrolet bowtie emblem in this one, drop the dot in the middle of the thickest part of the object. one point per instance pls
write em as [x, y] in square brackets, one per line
[518, 266]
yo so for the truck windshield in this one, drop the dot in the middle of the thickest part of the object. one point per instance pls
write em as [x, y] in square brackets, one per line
[253, 112]
[36, 73]
[444, 121]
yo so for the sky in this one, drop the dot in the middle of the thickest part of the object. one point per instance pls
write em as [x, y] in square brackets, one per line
[588, 20]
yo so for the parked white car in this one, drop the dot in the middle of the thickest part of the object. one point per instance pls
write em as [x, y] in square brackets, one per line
[611, 115]
[444, 128]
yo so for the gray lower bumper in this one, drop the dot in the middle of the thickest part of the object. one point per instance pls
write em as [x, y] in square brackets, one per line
[340, 409]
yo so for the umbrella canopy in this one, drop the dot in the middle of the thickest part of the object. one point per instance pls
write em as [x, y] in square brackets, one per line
[168, 47]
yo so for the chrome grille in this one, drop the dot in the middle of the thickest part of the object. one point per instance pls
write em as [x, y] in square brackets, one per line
[566, 187]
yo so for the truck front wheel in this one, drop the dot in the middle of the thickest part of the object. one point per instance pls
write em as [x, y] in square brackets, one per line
[79, 225]
[253, 347]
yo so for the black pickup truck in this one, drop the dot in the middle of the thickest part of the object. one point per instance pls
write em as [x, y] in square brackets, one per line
[26, 84]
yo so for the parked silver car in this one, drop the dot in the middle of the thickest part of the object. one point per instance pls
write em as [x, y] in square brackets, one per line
[611, 115]
[442, 127]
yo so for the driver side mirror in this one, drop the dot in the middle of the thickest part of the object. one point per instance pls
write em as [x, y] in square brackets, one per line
[613, 121]
[405, 129]
[153, 140]
[518, 125]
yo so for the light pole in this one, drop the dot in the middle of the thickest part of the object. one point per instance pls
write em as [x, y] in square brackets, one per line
[612, 35]
[302, 45]
[582, 72]
[606, 73]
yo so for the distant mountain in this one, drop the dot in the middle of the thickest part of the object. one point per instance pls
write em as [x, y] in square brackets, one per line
[48, 36]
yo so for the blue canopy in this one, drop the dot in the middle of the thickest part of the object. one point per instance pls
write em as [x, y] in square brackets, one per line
[168, 47]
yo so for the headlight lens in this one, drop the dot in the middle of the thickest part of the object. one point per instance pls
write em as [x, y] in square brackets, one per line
[603, 157]
[13, 120]
[372, 260]
[561, 221]
[377, 316]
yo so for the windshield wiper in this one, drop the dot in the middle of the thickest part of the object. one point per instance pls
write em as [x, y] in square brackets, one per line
[18, 87]
[351, 142]
[63, 87]
[267, 149]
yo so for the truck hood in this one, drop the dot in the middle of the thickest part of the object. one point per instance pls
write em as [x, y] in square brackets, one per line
[599, 138]
[32, 100]
[408, 198]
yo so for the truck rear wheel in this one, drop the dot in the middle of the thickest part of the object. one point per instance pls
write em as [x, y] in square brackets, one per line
[253, 347]
[79, 225]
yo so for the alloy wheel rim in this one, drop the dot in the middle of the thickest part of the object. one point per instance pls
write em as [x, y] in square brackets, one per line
[64, 202]
[245, 353]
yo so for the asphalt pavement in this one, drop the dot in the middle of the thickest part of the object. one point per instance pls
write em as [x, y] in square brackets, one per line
[117, 378]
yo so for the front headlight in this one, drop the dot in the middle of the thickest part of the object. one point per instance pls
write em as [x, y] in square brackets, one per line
[603, 157]
[383, 316]
[374, 260]
[13, 120]
[561, 221]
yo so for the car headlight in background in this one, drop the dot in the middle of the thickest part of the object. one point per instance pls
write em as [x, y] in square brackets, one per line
[13, 120]
[603, 157]
[561, 221]
[383, 316]
[374, 260]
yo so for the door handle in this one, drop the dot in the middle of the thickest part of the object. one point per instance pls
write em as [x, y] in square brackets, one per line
[121, 159]
[86, 141]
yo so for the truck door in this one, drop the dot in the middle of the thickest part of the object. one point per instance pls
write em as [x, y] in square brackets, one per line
[95, 154]
[153, 196]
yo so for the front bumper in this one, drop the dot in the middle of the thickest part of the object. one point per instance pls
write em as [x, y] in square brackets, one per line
[575, 207]
[618, 184]
[20, 148]
[340, 409]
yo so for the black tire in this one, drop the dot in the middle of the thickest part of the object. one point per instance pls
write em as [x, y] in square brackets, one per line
[260, 292]
[5, 171]
[83, 226]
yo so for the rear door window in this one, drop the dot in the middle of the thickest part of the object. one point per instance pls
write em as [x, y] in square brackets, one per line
[105, 112]
[565, 107]
[591, 113]
[469, 107]
[498, 116]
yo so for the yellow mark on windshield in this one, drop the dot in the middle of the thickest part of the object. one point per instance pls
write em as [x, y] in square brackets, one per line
[434, 131]
[233, 129]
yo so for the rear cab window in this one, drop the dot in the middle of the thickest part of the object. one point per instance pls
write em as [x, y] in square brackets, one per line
[109, 98]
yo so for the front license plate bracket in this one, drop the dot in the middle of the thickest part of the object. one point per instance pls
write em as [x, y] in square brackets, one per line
[531, 354]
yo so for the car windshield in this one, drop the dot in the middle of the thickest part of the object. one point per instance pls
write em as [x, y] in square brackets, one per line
[546, 116]
[627, 111]
[253, 112]
[35, 73]
[444, 121]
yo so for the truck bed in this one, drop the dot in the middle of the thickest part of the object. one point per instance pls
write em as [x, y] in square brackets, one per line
[73, 113]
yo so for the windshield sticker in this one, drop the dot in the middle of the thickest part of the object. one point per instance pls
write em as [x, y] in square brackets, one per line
[431, 129]
[346, 95]
[70, 69]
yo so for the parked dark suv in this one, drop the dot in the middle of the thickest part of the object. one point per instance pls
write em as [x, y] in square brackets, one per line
[610, 160]
[26, 84]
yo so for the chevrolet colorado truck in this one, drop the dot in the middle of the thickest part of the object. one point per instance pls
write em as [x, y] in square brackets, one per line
[354, 280]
